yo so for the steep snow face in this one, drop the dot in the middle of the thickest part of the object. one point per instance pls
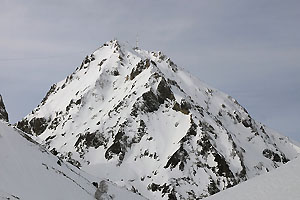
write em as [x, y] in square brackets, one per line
[3, 113]
[139, 120]
[28, 171]
[282, 183]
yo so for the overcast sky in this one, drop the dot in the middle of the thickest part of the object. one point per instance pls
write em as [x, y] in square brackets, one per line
[248, 49]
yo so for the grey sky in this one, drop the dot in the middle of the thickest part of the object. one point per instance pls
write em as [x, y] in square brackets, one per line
[248, 49]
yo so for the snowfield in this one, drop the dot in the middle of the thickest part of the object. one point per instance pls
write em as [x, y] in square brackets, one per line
[279, 184]
[29, 172]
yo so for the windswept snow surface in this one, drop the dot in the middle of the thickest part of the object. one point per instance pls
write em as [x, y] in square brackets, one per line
[136, 118]
[280, 184]
[29, 172]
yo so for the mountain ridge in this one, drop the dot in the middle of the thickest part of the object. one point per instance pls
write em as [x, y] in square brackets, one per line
[138, 119]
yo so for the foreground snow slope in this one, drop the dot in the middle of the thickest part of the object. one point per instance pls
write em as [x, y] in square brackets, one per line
[139, 120]
[279, 184]
[29, 172]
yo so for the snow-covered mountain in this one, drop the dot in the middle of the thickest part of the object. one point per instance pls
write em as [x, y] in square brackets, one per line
[282, 183]
[28, 171]
[3, 113]
[137, 119]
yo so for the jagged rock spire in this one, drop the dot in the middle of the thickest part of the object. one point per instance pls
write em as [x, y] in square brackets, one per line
[3, 113]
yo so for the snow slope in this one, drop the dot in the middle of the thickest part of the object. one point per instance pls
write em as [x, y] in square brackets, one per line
[28, 171]
[282, 183]
[137, 119]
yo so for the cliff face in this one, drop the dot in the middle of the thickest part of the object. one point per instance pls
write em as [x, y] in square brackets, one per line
[137, 119]
[3, 112]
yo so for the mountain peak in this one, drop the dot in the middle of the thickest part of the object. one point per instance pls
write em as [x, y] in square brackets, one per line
[136, 118]
[3, 112]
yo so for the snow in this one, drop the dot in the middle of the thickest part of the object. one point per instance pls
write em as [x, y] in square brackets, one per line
[28, 171]
[282, 183]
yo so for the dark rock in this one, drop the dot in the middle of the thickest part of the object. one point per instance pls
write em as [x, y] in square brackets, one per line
[24, 126]
[102, 61]
[140, 133]
[273, 156]
[192, 131]
[176, 107]
[222, 166]
[115, 72]
[212, 187]
[3, 112]
[164, 189]
[205, 143]
[164, 91]
[119, 146]
[238, 118]
[55, 122]
[247, 123]
[52, 89]
[72, 102]
[72, 161]
[95, 184]
[151, 102]
[91, 140]
[54, 151]
[140, 67]
[154, 187]
[179, 156]
[38, 125]
[172, 196]
[50, 137]
[115, 148]
[172, 65]
[184, 107]
[153, 63]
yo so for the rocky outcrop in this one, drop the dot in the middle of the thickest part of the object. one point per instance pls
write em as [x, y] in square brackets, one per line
[3, 112]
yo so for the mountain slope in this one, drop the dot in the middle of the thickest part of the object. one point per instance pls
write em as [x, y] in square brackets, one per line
[282, 183]
[27, 171]
[3, 113]
[136, 118]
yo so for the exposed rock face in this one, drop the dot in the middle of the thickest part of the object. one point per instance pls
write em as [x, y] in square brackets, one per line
[3, 113]
[139, 120]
